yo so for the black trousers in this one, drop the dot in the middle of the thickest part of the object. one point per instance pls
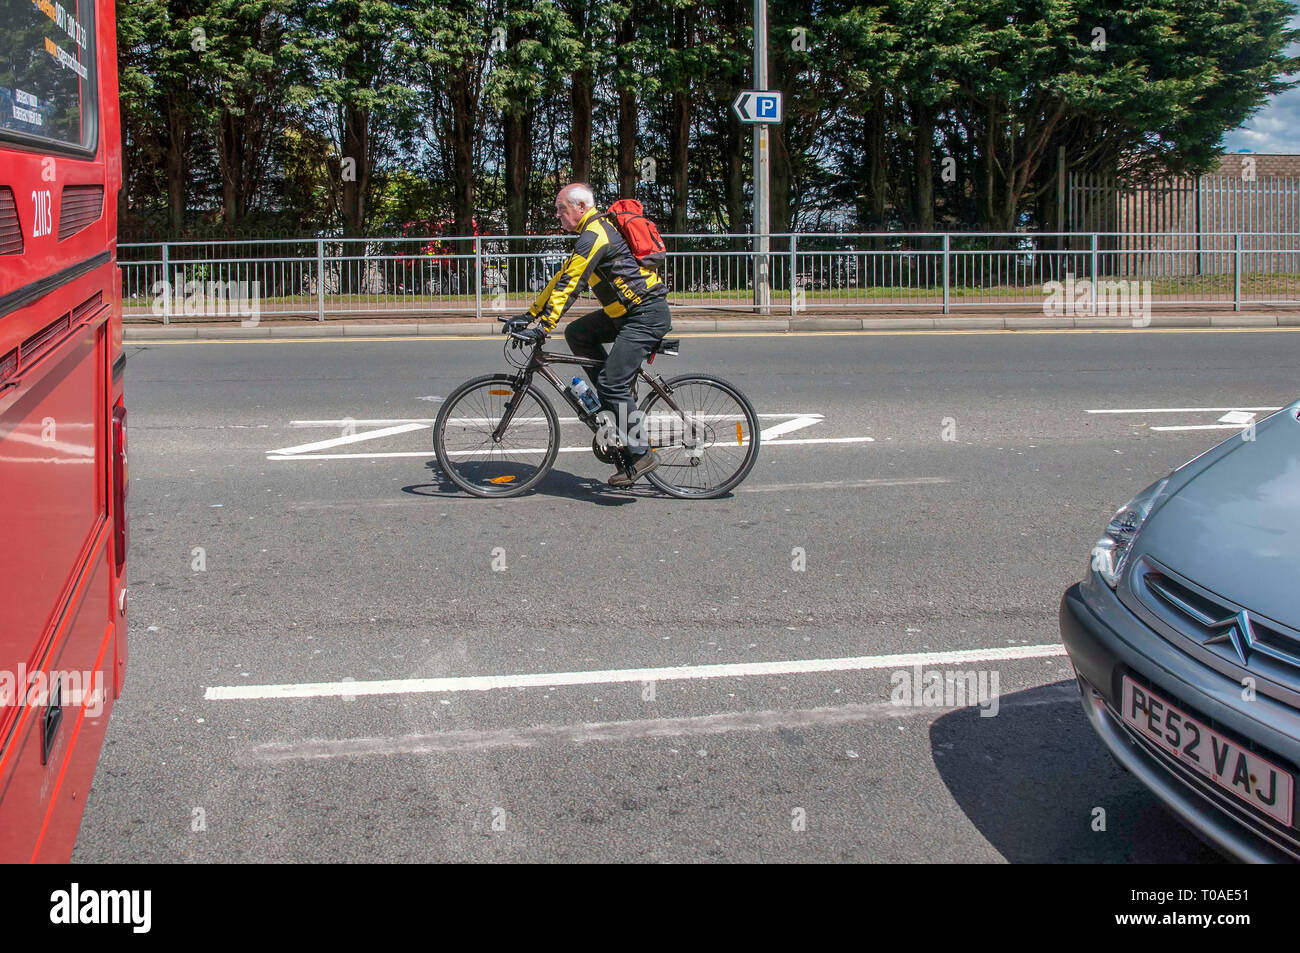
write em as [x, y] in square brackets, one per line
[633, 336]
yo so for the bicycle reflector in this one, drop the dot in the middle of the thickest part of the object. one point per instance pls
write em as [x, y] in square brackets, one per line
[740, 434]
[501, 393]
[502, 479]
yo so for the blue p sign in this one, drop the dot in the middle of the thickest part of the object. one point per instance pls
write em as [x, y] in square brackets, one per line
[755, 105]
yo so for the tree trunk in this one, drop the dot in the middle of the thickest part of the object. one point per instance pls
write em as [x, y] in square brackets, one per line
[736, 175]
[680, 132]
[923, 146]
[230, 160]
[627, 118]
[580, 96]
[877, 163]
[581, 85]
[463, 121]
[517, 128]
[781, 175]
[356, 146]
[178, 141]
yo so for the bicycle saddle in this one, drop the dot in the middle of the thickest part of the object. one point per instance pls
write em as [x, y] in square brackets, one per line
[667, 346]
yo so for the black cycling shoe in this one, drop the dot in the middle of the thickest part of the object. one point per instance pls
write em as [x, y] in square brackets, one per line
[640, 467]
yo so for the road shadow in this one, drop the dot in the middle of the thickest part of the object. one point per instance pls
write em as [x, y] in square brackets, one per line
[560, 483]
[1031, 777]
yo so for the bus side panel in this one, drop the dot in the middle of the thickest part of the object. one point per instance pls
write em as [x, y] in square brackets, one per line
[58, 572]
[42, 804]
[53, 448]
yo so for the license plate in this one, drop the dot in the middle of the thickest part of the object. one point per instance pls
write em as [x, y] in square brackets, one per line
[1252, 779]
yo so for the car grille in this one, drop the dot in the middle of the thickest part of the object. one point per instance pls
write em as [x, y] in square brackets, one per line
[1231, 633]
[1284, 838]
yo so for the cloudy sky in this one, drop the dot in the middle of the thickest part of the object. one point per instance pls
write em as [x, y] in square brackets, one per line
[1276, 127]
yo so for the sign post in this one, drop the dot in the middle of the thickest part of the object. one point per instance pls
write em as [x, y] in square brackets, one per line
[761, 107]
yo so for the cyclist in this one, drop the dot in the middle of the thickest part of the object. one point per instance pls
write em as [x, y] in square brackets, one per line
[633, 316]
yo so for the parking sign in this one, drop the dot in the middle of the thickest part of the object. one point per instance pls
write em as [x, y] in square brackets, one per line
[758, 106]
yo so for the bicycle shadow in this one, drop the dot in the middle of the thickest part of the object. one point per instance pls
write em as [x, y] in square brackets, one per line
[560, 483]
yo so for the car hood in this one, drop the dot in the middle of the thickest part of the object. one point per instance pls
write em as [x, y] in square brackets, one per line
[1234, 528]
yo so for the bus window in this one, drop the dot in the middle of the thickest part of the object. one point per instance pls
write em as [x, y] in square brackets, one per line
[47, 73]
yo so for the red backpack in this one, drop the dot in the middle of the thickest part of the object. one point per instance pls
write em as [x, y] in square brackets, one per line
[640, 233]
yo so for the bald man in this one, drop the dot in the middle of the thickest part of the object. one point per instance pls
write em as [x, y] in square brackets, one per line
[633, 316]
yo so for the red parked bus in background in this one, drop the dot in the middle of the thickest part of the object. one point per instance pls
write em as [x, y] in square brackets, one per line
[62, 417]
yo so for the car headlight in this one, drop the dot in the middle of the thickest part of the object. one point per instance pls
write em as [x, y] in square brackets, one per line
[1111, 552]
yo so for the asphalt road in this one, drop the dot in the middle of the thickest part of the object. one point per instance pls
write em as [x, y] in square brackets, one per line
[956, 526]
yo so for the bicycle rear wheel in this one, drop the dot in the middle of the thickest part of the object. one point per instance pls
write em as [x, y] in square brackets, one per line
[707, 446]
[462, 437]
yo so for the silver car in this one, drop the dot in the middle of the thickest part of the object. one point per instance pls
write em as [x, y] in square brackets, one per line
[1185, 637]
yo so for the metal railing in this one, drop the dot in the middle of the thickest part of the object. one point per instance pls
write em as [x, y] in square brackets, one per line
[430, 277]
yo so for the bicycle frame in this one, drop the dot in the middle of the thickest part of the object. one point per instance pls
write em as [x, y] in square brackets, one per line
[540, 361]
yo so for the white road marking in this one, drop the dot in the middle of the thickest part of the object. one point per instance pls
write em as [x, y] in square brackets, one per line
[842, 485]
[440, 742]
[483, 683]
[782, 443]
[350, 438]
[1236, 417]
[1203, 427]
[271, 455]
[1184, 410]
[789, 426]
[387, 421]
[773, 436]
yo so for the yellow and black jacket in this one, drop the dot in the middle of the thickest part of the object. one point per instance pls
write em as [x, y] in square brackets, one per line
[602, 260]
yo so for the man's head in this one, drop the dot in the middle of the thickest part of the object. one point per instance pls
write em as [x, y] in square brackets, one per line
[572, 203]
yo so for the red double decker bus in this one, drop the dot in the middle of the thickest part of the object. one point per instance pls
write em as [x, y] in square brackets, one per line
[62, 417]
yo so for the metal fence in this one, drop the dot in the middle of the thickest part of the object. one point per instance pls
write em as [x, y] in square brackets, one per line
[1194, 215]
[431, 277]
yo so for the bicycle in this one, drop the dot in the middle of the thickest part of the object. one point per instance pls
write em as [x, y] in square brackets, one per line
[498, 435]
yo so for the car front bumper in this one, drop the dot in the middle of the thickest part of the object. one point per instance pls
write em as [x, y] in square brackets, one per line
[1105, 641]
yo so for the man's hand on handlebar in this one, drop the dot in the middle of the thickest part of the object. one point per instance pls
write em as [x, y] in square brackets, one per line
[529, 336]
[513, 325]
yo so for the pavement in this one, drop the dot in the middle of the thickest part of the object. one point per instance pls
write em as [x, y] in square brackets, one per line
[335, 657]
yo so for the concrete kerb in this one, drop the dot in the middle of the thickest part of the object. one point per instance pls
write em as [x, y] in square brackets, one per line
[1246, 320]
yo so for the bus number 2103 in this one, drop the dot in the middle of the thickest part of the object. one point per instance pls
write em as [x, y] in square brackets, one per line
[42, 221]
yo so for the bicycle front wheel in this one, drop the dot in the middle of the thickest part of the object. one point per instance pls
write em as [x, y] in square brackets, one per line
[478, 464]
[708, 443]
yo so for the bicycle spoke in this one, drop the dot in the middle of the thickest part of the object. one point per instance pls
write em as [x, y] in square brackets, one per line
[491, 467]
[707, 420]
